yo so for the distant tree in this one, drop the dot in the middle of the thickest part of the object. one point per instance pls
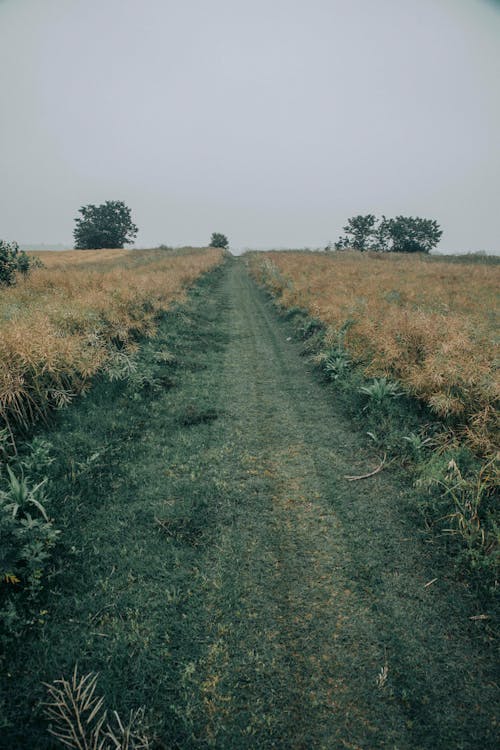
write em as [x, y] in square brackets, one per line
[410, 234]
[14, 261]
[358, 232]
[403, 234]
[106, 226]
[219, 240]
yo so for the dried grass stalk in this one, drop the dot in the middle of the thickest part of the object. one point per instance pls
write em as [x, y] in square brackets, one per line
[79, 720]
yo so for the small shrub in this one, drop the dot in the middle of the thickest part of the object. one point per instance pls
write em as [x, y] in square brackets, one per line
[337, 365]
[415, 444]
[27, 538]
[380, 390]
[310, 327]
[14, 261]
[458, 496]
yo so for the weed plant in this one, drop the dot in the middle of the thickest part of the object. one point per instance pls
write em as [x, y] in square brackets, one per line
[28, 537]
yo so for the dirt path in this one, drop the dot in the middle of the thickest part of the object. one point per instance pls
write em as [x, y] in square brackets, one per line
[320, 630]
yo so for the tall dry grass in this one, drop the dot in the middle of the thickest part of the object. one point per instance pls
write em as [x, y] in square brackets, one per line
[59, 325]
[430, 324]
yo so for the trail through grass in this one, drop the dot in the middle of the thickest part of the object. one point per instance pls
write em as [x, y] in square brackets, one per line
[219, 570]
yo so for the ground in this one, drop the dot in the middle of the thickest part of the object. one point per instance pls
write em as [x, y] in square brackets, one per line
[220, 570]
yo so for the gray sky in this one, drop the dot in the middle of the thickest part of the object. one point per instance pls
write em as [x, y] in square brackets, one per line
[272, 121]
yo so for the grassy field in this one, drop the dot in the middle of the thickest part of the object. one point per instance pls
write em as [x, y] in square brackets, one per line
[388, 329]
[208, 548]
[67, 321]
[430, 324]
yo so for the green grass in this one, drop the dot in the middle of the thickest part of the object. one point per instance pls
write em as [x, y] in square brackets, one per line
[217, 568]
[124, 457]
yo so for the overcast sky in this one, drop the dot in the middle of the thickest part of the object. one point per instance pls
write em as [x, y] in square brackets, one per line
[272, 121]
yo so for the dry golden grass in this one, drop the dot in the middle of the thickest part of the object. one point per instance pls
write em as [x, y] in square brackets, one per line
[59, 325]
[430, 324]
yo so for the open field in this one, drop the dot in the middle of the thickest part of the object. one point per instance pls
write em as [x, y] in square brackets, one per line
[220, 572]
[412, 343]
[63, 324]
[205, 530]
[430, 324]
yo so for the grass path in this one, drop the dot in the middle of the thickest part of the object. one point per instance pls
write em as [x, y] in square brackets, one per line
[275, 605]
[319, 583]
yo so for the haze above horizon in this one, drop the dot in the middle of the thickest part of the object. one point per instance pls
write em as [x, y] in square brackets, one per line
[272, 122]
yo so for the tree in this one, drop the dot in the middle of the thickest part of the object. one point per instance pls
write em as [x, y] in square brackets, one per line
[104, 226]
[359, 230]
[381, 236]
[13, 261]
[219, 240]
[403, 234]
[410, 234]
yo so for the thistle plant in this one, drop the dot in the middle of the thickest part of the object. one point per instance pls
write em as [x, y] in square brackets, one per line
[380, 390]
[28, 537]
[337, 364]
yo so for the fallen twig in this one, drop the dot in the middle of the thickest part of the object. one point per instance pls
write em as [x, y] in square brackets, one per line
[370, 474]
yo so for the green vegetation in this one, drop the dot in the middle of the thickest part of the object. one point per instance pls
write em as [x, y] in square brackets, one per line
[14, 261]
[456, 491]
[109, 225]
[220, 571]
[417, 329]
[219, 240]
[403, 234]
[27, 539]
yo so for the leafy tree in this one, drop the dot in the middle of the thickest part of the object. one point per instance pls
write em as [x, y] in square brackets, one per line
[13, 261]
[219, 240]
[359, 230]
[409, 234]
[106, 226]
[403, 234]
[381, 236]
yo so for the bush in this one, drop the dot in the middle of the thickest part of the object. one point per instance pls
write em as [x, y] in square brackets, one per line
[27, 537]
[13, 261]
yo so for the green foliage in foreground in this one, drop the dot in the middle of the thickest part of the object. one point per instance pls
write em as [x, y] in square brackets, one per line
[27, 539]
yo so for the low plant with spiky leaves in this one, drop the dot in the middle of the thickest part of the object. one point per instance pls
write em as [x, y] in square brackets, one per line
[27, 539]
[79, 719]
[380, 390]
